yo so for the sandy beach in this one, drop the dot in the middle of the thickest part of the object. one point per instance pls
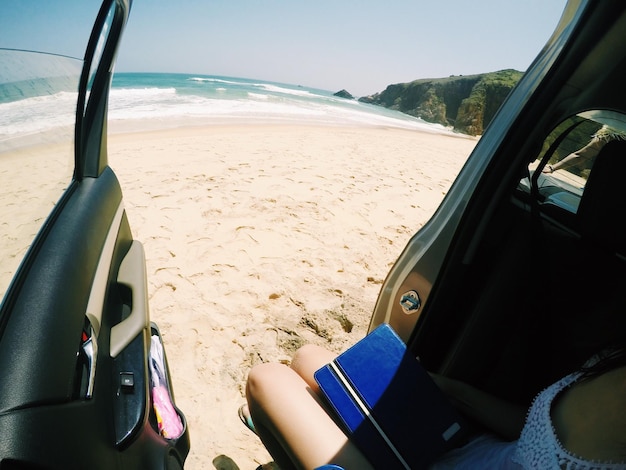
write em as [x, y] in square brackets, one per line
[260, 238]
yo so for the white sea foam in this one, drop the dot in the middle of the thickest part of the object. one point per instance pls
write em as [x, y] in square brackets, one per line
[214, 80]
[282, 90]
[263, 108]
[272, 88]
[231, 98]
[258, 96]
[163, 104]
[37, 114]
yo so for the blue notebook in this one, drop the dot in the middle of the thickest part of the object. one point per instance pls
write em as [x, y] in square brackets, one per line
[388, 404]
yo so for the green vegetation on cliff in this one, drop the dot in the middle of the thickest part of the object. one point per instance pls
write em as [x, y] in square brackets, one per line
[468, 103]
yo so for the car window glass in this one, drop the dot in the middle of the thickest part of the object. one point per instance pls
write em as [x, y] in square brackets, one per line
[567, 157]
[37, 113]
[40, 68]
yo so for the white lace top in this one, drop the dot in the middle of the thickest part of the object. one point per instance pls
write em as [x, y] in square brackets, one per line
[539, 446]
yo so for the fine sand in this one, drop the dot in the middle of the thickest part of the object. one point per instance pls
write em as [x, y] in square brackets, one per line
[262, 238]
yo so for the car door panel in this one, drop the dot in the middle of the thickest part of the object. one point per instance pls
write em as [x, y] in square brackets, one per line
[57, 285]
[41, 340]
[75, 330]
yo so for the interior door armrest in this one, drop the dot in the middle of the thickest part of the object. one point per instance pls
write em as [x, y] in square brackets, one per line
[132, 274]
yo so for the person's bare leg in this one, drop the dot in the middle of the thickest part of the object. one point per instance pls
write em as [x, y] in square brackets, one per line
[308, 359]
[293, 425]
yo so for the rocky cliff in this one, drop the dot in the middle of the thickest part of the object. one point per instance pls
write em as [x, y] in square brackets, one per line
[344, 94]
[468, 103]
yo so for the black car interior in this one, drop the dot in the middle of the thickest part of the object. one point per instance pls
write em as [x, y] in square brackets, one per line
[541, 297]
[528, 292]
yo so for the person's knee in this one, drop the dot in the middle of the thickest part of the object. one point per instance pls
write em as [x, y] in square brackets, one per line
[305, 354]
[309, 358]
[264, 378]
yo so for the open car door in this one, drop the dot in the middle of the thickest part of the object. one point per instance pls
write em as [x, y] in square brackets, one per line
[518, 277]
[75, 332]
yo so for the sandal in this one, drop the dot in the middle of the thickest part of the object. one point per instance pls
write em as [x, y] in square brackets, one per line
[246, 418]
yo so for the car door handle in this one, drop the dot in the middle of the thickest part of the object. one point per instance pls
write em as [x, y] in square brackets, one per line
[90, 351]
[132, 273]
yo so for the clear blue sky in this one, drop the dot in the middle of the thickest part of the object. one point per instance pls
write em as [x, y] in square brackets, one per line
[359, 45]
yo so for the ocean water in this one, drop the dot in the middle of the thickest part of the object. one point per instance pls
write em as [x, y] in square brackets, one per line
[198, 99]
[37, 97]
[145, 101]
